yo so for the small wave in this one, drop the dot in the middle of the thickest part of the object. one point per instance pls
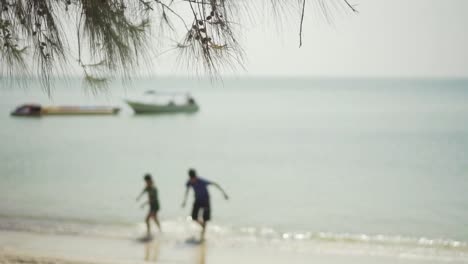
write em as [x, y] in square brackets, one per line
[270, 233]
[377, 239]
[58, 219]
[63, 226]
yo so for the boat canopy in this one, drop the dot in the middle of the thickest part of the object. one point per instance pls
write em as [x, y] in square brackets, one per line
[162, 93]
[27, 110]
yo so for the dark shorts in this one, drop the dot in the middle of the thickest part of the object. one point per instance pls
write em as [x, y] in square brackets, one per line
[154, 207]
[201, 206]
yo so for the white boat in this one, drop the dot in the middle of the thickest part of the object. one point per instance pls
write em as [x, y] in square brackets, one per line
[157, 105]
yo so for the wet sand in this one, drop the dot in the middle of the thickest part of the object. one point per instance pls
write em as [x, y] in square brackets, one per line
[25, 248]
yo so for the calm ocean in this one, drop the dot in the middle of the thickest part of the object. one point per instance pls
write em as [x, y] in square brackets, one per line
[363, 163]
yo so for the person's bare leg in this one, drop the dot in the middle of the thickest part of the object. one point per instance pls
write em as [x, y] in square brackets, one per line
[156, 220]
[203, 231]
[148, 226]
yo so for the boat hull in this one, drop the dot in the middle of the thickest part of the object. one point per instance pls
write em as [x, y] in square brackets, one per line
[71, 110]
[146, 108]
[37, 110]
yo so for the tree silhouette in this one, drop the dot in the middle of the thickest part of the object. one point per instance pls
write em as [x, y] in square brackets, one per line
[111, 37]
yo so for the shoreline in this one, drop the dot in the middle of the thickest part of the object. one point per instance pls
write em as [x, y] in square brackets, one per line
[24, 248]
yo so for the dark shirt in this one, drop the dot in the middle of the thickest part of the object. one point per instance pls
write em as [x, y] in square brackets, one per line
[152, 194]
[200, 189]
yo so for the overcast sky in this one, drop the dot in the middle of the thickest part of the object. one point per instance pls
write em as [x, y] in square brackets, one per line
[387, 38]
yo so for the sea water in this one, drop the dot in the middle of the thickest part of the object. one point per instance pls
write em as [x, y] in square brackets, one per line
[358, 164]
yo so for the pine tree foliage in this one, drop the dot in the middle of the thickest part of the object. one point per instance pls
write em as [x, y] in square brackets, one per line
[112, 36]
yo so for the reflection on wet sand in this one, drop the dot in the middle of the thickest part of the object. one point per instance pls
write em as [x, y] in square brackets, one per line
[198, 253]
[152, 251]
[201, 253]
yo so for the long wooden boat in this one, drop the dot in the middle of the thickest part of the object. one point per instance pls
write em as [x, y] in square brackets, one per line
[38, 110]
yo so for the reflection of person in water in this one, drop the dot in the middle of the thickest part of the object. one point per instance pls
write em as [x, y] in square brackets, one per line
[202, 199]
[153, 203]
[152, 251]
[202, 254]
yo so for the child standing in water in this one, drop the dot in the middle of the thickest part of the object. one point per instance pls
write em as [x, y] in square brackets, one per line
[153, 203]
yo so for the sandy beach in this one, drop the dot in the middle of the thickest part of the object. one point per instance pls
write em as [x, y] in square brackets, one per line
[20, 247]
[28, 258]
